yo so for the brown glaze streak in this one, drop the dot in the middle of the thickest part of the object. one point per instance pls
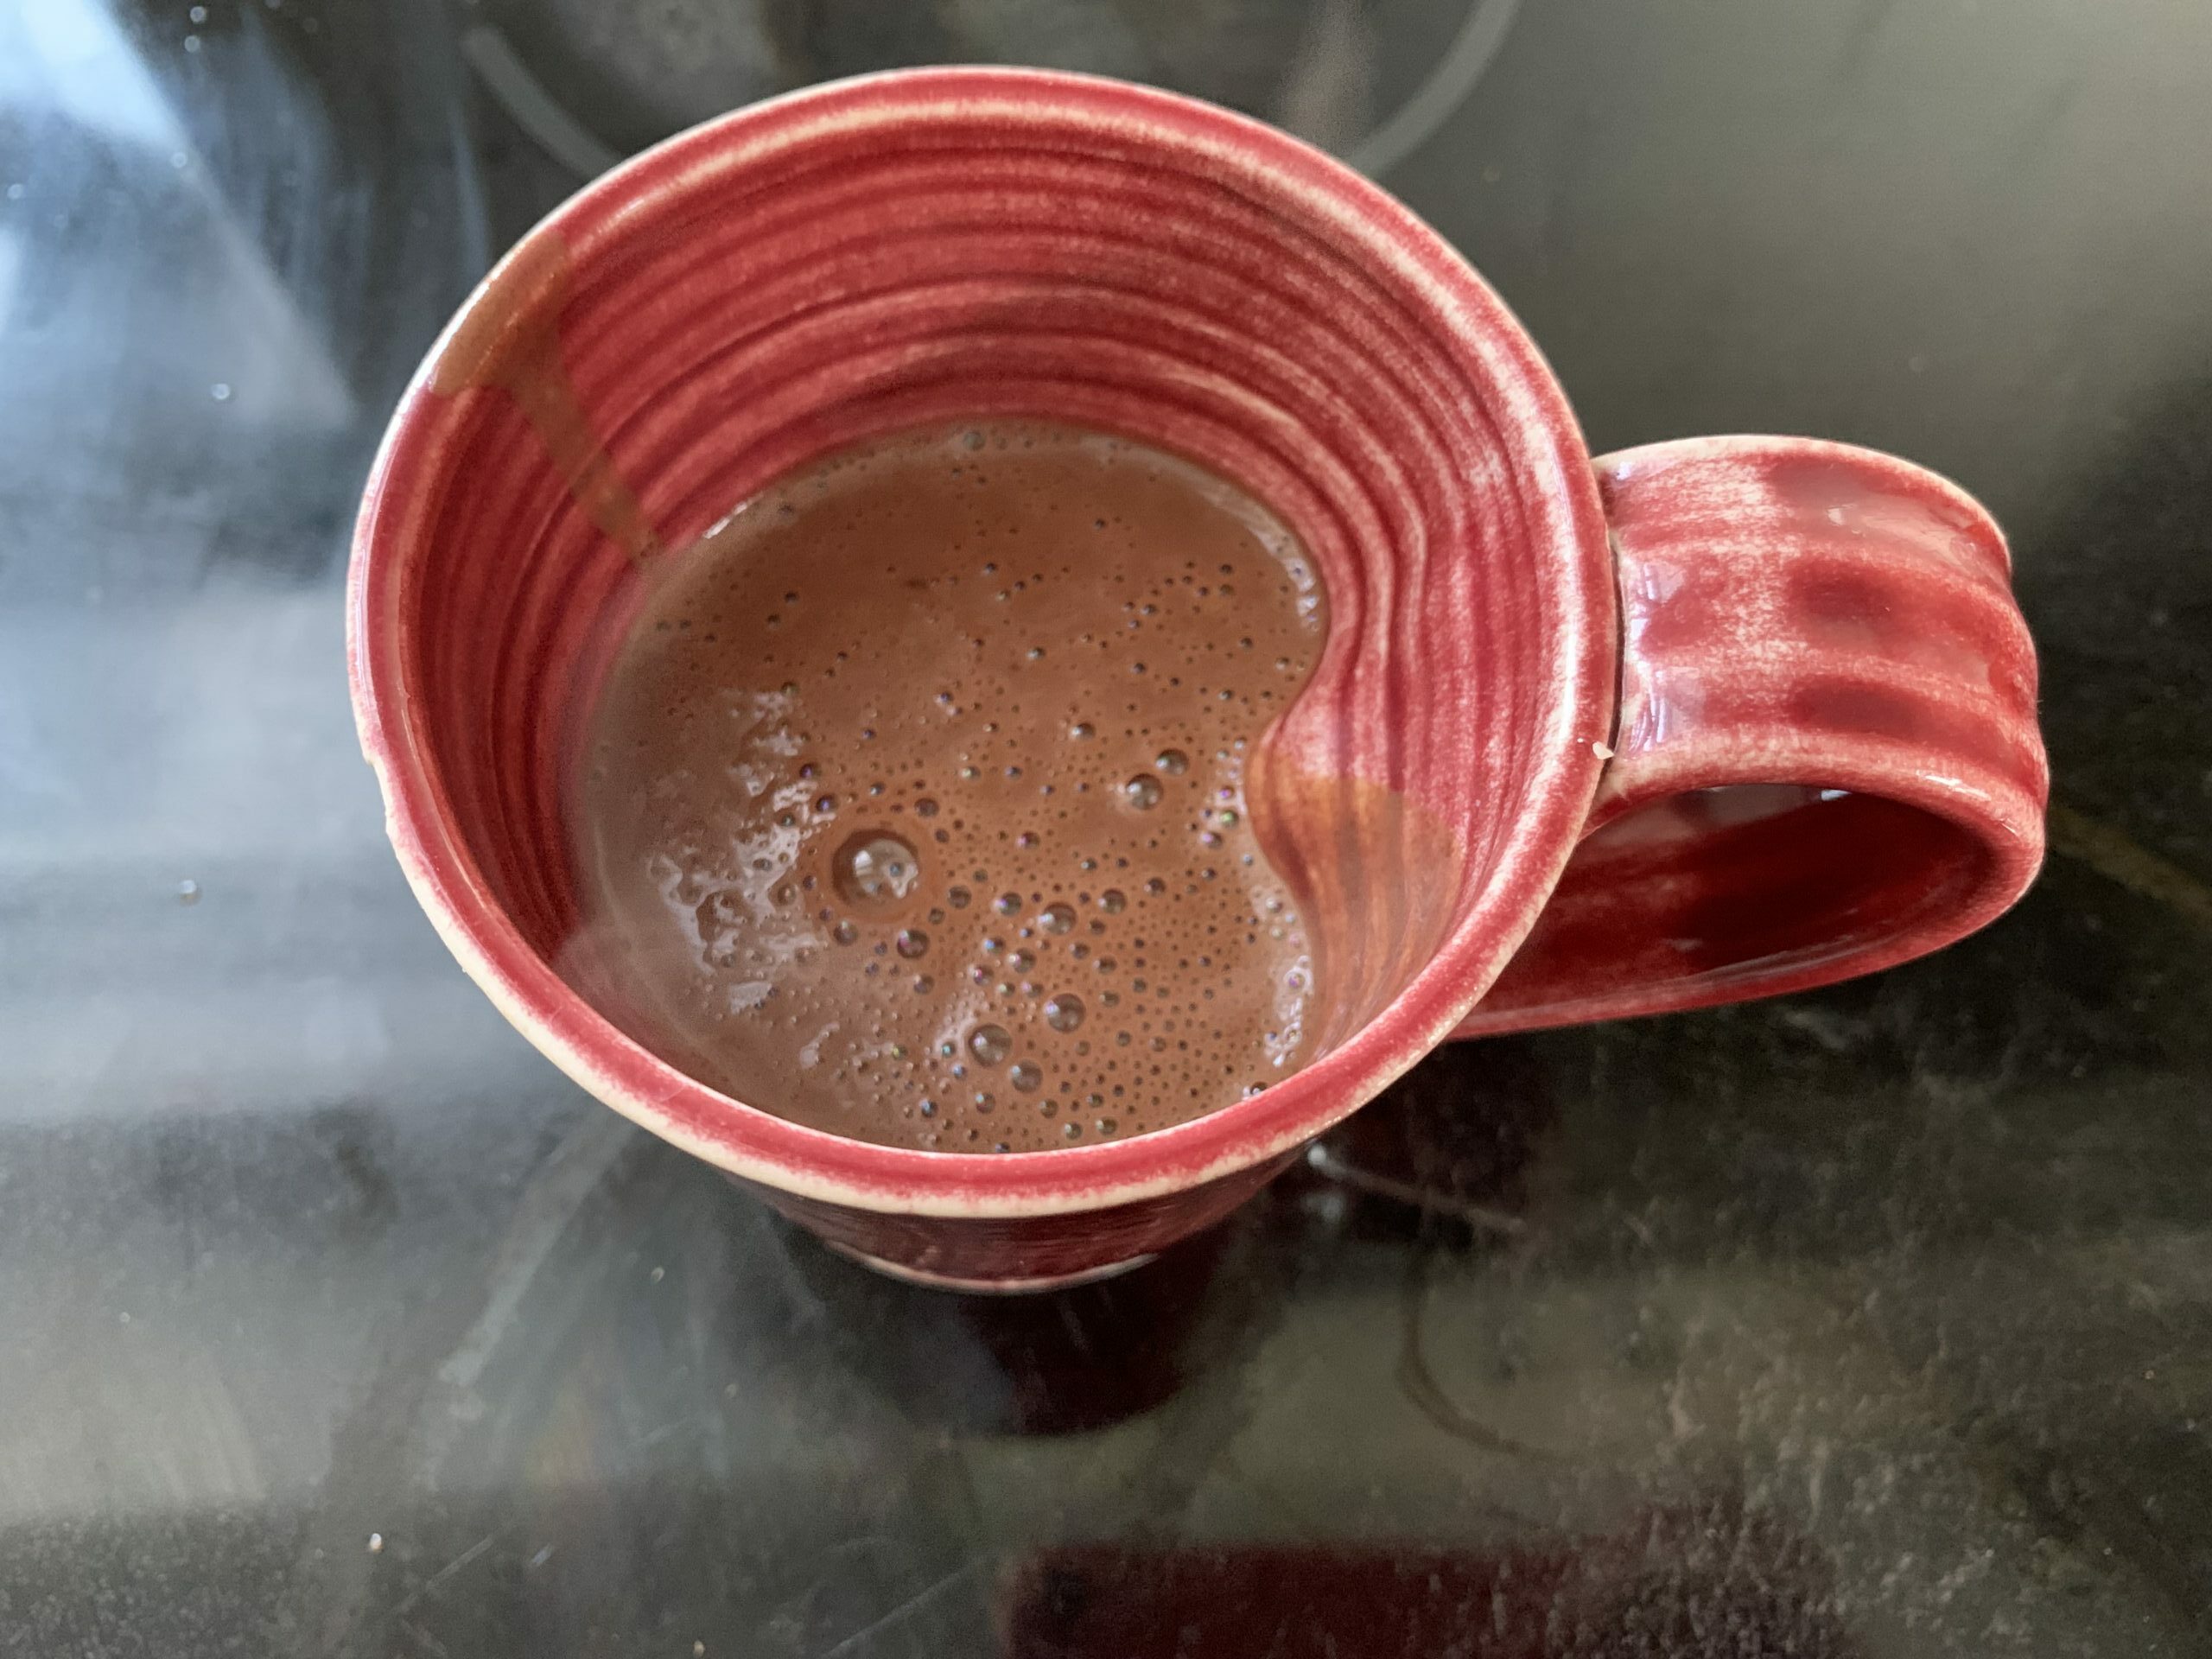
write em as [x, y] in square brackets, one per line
[1375, 875]
[510, 341]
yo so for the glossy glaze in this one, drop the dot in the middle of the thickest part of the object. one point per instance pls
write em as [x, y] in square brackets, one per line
[1826, 759]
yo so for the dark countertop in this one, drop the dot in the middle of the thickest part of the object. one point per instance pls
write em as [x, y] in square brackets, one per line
[1873, 1322]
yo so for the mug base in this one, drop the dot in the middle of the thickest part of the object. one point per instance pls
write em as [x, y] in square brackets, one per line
[930, 1280]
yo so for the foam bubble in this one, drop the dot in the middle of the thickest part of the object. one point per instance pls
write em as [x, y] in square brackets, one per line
[874, 868]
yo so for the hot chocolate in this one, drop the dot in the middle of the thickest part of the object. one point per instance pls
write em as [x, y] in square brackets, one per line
[913, 807]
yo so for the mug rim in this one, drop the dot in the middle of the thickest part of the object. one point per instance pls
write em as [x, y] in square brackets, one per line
[1539, 434]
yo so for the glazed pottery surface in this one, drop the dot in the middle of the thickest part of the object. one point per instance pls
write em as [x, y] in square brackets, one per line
[1700, 721]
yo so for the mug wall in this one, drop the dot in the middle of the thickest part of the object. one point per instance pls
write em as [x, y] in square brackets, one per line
[654, 355]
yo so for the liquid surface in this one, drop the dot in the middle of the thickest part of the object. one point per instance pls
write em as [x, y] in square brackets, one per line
[912, 809]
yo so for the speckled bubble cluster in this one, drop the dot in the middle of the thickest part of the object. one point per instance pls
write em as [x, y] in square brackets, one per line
[914, 811]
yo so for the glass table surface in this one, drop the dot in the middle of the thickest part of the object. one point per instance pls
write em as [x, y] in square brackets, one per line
[333, 1320]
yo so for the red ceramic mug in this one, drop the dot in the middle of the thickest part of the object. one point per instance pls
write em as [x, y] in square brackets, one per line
[1701, 722]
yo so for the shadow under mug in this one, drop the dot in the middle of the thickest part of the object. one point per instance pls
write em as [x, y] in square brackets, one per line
[1703, 720]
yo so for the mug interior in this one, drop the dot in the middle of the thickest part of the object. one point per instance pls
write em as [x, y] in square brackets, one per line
[936, 245]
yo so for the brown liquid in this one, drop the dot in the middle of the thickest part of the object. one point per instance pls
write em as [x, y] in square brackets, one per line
[913, 808]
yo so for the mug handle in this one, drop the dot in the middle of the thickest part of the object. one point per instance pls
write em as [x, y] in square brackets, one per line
[1825, 759]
